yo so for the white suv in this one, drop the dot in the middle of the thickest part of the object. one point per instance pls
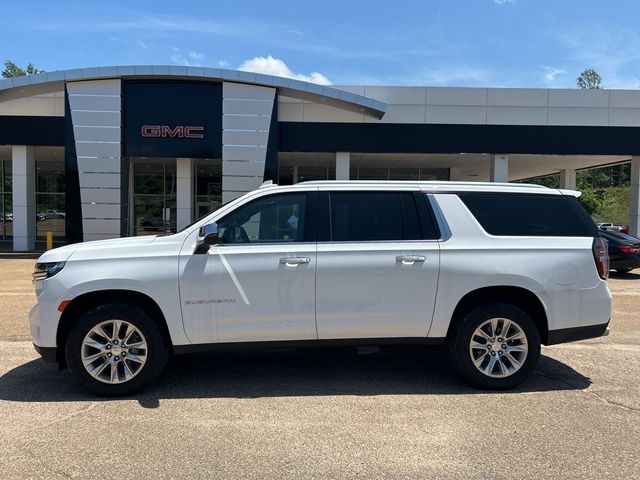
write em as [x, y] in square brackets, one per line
[489, 270]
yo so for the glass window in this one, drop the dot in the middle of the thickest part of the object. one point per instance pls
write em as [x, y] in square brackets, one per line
[441, 174]
[306, 174]
[275, 218]
[373, 174]
[6, 201]
[208, 186]
[404, 174]
[373, 216]
[154, 196]
[50, 200]
[285, 175]
[530, 215]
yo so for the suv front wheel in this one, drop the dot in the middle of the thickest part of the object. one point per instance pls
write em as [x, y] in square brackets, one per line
[115, 349]
[495, 346]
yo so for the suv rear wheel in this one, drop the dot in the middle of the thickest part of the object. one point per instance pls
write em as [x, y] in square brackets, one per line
[495, 346]
[115, 349]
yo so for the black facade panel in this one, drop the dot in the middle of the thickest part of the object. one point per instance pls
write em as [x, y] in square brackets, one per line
[440, 138]
[73, 207]
[157, 114]
[28, 130]
[271, 162]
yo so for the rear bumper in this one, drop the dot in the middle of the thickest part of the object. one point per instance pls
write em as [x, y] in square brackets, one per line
[574, 334]
[48, 354]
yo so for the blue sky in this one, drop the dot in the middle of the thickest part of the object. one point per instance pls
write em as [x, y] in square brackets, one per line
[518, 43]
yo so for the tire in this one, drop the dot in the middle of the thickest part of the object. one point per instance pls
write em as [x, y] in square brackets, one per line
[510, 365]
[92, 337]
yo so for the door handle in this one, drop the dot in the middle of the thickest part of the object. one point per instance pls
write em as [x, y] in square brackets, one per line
[410, 259]
[294, 261]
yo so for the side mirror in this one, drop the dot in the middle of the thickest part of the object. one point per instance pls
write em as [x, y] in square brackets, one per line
[208, 235]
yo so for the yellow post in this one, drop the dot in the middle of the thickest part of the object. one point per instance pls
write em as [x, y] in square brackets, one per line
[49, 240]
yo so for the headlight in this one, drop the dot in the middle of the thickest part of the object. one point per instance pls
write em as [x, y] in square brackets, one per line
[46, 270]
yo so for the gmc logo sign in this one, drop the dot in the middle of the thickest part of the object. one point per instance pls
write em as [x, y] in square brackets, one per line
[164, 131]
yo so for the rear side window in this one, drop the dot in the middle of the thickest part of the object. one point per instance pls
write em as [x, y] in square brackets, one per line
[530, 215]
[373, 216]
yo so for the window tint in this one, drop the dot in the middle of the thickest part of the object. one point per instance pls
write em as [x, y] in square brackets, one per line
[373, 216]
[275, 218]
[530, 215]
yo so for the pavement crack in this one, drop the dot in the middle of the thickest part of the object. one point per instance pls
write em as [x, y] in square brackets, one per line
[613, 402]
[68, 416]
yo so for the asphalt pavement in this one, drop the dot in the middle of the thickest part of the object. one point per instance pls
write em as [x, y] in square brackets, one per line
[325, 413]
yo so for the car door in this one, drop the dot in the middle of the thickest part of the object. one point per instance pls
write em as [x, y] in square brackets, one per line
[258, 283]
[378, 263]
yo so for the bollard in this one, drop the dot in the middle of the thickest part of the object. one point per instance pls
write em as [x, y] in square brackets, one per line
[49, 240]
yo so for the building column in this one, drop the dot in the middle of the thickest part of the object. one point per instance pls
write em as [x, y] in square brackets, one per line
[184, 192]
[499, 168]
[24, 198]
[294, 180]
[568, 179]
[343, 164]
[634, 198]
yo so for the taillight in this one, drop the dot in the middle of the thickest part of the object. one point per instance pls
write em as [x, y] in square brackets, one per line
[629, 249]
[601, 256]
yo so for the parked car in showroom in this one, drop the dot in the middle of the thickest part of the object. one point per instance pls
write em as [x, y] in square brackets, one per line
[491, 271]
[50, 214]
[624, 251]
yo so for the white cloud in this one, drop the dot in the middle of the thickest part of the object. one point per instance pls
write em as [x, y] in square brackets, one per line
[223, 64]
[274, 66]
[190, 59]
[502, 2]
[550, 73]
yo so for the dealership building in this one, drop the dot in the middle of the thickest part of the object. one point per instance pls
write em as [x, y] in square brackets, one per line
[106, 152]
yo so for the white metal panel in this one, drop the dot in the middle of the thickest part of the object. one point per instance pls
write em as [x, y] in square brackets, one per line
[99, 103]
[456, 114]
[593, 98]
[364, 292]
[242, 293]
[99, 180]
[102, 225]
[517, 115]
[246, 169]
[456, 96]
[94, 87]
[99, 165]
[517, 97]
[578, 116]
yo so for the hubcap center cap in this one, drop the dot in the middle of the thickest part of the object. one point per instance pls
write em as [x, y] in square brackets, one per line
[116, 350]
[495, 346]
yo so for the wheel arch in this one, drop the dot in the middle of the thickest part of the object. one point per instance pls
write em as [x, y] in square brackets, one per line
[520, 297]
[85, 302]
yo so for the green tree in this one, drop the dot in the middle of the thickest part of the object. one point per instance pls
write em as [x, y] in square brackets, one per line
[589, 79]
[589, 201]
[13, 70]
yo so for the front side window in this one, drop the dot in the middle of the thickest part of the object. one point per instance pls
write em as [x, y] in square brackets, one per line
[272, 219]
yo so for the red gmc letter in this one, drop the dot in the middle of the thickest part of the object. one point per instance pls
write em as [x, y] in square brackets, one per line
[193, 132]
[150, 131]
[176, 132]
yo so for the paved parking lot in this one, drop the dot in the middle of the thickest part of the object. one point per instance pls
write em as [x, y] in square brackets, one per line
[325, 414]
